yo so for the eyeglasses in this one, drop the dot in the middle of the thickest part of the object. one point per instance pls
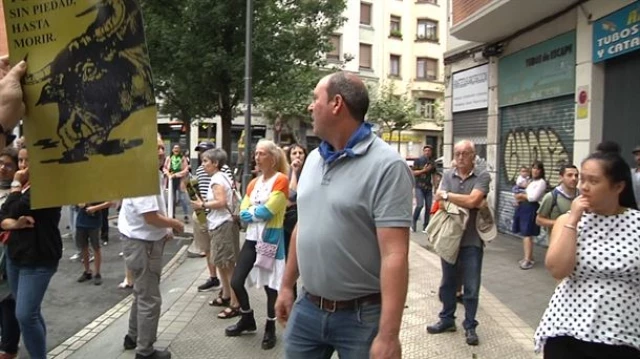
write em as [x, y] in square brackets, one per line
[461, 154]
[7, 165]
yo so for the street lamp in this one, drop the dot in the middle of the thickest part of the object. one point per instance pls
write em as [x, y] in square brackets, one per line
[246, 173]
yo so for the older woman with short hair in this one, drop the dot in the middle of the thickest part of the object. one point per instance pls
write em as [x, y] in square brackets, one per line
[224, 232]
[261, 259]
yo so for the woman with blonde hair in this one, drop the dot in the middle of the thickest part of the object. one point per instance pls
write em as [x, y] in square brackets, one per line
[261, 259]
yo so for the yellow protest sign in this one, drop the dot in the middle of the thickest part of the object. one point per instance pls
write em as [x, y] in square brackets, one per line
[90, 126]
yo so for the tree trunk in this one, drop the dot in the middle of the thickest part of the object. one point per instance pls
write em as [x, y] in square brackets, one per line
[399, 136]
[226, 115]
[302, 133]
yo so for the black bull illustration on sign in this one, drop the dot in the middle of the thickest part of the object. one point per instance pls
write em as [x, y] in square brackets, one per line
[98, 80]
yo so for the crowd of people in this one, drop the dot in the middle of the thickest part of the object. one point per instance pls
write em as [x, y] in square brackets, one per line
[350, 251]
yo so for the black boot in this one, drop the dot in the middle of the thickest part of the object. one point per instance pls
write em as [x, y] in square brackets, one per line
[247, 323]
[269, 339]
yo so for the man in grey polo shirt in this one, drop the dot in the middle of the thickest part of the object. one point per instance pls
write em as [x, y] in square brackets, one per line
[467, 187]
[352, 240]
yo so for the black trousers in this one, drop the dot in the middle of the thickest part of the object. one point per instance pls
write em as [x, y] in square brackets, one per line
[104, 229]
[290, 221]
[10, 327]
[246, 259]
[571, 348]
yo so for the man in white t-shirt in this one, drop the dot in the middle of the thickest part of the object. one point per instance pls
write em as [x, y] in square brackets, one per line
[145, 227]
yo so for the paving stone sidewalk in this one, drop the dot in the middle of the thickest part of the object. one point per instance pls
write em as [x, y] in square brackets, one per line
[502, 333]
[190, 329]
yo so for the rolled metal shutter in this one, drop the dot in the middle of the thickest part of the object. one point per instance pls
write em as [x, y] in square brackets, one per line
[621, 103]
[472, 125]
[542, 130]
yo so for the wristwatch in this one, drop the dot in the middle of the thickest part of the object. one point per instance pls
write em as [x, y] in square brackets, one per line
[445, 195]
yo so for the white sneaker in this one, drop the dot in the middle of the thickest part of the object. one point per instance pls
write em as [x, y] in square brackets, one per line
[75, 257]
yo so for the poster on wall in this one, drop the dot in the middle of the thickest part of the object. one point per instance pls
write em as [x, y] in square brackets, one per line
[471, 89]
[617, 34]
[542, 71]
[90, 124]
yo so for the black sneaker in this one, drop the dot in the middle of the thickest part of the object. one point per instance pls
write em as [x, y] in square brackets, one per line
[97, 279]
[211, 284]
[441, 327]
[471, 337]
[129, 343]
[85, 277]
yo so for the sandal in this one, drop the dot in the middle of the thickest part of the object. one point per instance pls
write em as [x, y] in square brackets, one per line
[229, 312]
[220, 302]
[125, 285]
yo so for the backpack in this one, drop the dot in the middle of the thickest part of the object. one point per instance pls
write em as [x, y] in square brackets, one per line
[234, 206]
[554, 198]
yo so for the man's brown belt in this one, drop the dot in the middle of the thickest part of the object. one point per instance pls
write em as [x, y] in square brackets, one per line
[334, 305]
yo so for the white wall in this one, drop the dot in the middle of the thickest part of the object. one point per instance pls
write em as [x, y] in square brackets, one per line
[561, 25]
[588, 131]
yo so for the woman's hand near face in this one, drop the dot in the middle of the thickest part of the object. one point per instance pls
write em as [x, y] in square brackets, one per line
[296, 164]
[22, 176]
[578, 207]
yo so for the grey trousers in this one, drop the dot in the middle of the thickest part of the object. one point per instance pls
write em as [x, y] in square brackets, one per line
[144, 260]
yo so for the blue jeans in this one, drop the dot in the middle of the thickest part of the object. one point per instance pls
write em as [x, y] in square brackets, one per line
[423, 200]
[180, 196]
[313, 333]
[28, 284]
[470, 258]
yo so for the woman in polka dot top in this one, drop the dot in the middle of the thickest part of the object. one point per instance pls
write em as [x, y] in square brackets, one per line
[595, 248]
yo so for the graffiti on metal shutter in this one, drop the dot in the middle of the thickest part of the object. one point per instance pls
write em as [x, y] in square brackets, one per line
[522, 146]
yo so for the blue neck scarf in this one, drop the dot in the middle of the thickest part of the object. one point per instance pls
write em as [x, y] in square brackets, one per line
[330, 155]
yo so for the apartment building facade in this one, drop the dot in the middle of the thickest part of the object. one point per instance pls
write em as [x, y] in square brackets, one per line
[403, 42]
[530, 82]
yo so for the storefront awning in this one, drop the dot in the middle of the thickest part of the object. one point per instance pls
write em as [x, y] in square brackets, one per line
[500, 18]
[427, 126]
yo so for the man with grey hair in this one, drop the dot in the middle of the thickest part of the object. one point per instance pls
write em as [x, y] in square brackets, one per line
[144, 226]
[351, 243]
[467, 187]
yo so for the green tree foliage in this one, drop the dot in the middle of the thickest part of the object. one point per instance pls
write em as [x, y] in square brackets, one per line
[390, 110]
[197, 50]
[287, 99]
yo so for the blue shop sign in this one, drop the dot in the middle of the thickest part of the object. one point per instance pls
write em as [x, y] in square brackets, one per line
[617, 33]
